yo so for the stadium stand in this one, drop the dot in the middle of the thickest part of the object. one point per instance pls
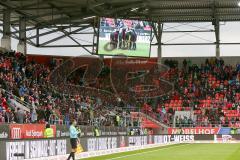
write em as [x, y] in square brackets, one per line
[29, 82]
[211, 91]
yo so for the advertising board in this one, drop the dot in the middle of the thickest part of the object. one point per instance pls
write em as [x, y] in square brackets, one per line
[28, 131]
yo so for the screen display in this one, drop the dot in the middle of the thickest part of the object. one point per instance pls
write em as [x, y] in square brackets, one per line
[124, 37]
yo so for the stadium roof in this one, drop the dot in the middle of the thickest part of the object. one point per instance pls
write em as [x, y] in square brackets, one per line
[59, 15]
[48, 12]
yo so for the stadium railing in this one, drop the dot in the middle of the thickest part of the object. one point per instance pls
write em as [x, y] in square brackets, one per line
[25, 105]
[53, 119]
[203, 124]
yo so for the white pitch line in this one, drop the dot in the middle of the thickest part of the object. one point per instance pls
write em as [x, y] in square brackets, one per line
[130, 155]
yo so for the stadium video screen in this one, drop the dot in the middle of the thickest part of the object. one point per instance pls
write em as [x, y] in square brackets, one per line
[124, 37]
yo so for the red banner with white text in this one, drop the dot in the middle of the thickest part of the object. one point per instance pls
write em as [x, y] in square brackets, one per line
[197, 130]
[28, 131]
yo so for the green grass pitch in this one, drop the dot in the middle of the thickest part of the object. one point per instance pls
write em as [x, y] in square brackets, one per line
[142, 50]
[180, 152]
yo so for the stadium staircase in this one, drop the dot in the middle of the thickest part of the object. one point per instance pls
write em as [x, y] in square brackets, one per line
[16, 102]
[148, 121]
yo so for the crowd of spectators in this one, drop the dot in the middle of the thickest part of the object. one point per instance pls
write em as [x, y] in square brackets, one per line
[211, 91]
[29, 81]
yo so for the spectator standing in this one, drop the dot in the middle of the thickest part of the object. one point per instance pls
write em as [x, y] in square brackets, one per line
[96, 132]
[91, 115]
[2, 119]
[117, 120]
[47, 113]
[238, 109]
[22, 90]
[20, 116]
[48, 132]
[33, 115]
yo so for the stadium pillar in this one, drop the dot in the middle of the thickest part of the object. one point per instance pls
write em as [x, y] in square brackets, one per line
[159, 53]
[6, 38]
[218, 51]
[159, 40]
[22, 47]
[217, 35]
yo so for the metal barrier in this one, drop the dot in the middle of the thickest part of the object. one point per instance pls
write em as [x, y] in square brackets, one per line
[53, 119]
[17, 99]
